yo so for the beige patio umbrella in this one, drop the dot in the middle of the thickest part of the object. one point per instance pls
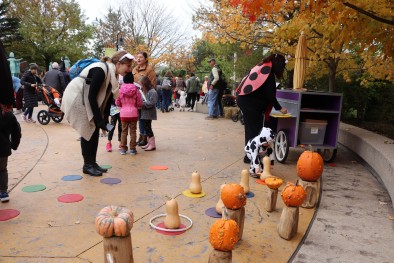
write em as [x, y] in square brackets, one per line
[300, 63]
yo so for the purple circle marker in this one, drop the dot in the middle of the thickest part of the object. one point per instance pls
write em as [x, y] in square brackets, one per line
[110, 180]
[71, 177]
[212, 213]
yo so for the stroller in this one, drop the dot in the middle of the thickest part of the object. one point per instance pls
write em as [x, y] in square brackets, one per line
[52, 98]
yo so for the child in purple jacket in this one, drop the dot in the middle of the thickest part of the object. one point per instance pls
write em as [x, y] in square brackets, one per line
[129, 101]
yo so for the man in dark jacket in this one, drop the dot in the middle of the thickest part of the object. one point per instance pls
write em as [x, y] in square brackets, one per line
[10, 135]
[55, 78]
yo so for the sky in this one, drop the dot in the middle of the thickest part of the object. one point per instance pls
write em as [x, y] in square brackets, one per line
[183, 9]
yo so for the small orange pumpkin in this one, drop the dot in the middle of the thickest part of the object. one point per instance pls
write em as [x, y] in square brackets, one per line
[233, 196]
[310, 166]
[273, 182]
[223, 234]
[114, 221]
[293, 195]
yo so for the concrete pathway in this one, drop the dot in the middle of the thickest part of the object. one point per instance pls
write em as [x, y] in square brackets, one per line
[352, 221]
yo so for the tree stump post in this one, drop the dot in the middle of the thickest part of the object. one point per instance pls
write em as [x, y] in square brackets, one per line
[312, 191]
[118, 250]
[217, 256]
[288, 222]
[238, 216]
[270, 201]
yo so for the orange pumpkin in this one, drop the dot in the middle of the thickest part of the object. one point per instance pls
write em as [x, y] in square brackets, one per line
[233, 196]
[310, 166]
[293, 195]
[273, 182]
[114, 221]
[223, 234]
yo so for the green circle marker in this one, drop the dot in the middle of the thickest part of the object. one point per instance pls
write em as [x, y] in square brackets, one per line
[104, 166]
[34, 188]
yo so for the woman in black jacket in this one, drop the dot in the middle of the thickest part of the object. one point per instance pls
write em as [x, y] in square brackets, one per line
[256, 94]
[30, 80]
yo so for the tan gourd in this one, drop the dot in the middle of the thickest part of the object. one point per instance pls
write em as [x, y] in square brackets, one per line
[195, 186]
[267, 168]
[172, 219]
[245, 180]
[219, 205]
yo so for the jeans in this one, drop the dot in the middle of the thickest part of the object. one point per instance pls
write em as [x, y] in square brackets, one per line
[141, 124]
[213, 107]
[166, 99]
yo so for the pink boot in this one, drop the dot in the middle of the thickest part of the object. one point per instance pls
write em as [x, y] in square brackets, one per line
[152, 144]
[146, 145]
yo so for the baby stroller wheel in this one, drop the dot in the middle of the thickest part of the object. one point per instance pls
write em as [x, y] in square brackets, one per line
[58, 118]
[43, 117]
[235, 117]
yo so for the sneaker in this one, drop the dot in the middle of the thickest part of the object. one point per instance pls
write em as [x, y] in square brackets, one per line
[209, 118]
[123, 151]
[108, 147]
[4, 197]
[23, 117]
[31, 120]
[120, 147]
[133, 152]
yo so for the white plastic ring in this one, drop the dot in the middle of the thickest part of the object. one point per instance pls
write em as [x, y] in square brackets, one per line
[170, 230]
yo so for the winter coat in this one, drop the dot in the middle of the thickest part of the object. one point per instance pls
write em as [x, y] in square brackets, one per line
[180, 84]
[75, 102]
[10, 133]
[148, 71]
[129, 100]
[29, 92]
[148, 111]
[193, 85]
[55, 79]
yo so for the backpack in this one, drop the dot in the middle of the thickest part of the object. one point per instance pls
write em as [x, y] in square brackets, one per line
[166, 85]
[77, 68]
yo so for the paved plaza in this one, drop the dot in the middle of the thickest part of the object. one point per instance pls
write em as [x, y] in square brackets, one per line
[353, 223]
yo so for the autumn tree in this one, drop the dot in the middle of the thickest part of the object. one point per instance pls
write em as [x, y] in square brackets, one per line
[8, 25]
[50, 29]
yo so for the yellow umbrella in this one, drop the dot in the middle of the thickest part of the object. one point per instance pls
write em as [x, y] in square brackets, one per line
[300, 63]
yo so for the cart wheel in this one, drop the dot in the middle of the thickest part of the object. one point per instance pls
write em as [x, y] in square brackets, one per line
[281, 146]
[58, 118]
[328, 154]
[235, 117]
[43, 117]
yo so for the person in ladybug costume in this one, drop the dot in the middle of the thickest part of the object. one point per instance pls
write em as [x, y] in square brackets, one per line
[256, 95]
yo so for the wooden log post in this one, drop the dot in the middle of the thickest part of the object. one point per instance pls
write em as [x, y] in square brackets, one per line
[118, 250]
[238, 216]
[288, 222]
[312, 193]
[270, 201]
[217, 256]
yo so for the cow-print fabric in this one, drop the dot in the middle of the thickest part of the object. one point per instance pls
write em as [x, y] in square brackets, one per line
[255, 79]
[254, 145]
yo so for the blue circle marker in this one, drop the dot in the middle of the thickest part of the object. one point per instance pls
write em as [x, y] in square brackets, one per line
[249, 195]
[71, 177]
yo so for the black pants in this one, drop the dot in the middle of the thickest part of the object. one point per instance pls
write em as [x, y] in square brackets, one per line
[148, 128]
[115, 119]
[192, 100]
[89, 148]
[29, 112]
[3, 174]
[253, 113]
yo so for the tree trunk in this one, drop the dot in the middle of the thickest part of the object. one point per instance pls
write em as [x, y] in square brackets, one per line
[118, 249]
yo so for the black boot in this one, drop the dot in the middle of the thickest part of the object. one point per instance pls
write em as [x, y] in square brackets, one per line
[99, 168]
[89, 169]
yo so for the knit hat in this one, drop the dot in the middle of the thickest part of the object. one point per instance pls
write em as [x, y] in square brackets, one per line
[33, 66]
[128, 78]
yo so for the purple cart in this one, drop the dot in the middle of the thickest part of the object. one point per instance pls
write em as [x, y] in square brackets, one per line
[313, 119]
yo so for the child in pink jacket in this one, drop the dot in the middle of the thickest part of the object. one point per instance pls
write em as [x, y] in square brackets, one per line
[129, 100]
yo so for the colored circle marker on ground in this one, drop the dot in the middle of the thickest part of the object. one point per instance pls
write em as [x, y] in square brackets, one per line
[249, 195]
[70, 198]
[110, 180]
[161, 225]
[106, 166]
[212, 213]
[260, 181]
[71, 177]
[34, 188]
[159, 167]
[7, 214]
[332, 164]
[190, 194]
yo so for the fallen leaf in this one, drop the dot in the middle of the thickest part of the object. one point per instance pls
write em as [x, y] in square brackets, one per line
[50, 224]
[382, 203]
[391, 217]
[77, 222]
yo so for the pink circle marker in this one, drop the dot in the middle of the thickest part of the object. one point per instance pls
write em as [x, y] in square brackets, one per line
[159, 167]
[70, 198]
[7, 214]
[161, 225]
